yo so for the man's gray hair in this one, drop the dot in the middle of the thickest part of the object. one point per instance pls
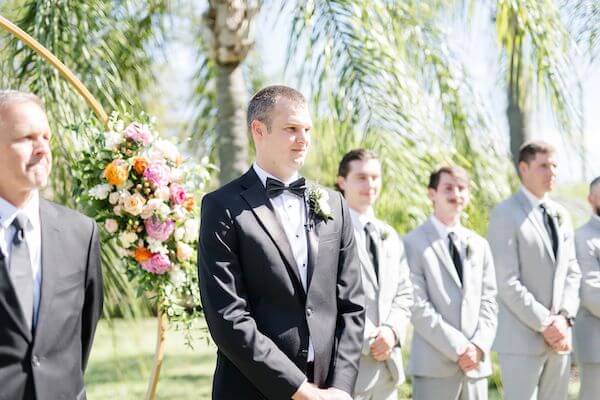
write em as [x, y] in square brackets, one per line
[595, 184]
[264, 100]
[15, 96]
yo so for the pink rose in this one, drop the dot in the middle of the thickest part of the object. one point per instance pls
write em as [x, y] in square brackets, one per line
[138, 133]
[178, 194]
[157, 173]
[157, 264]
[158, 229]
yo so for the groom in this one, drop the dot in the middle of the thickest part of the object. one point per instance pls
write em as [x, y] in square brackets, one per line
[279, 277]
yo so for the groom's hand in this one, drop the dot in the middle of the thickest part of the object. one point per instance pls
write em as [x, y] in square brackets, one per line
[308, 391]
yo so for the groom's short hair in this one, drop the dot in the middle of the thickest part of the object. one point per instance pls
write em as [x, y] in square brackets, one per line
[15, 96]
[530, 149]
[353, 155]
[264, 100]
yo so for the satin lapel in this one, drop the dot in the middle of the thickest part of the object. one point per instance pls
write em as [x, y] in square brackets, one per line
[9, 301]
[52, 248]
[438, 246]
[542, 233]
[256, 197]
[312, 242]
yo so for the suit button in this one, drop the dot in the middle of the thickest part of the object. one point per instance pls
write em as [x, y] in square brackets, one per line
[35, 361]
[308, 311]
[304, 353]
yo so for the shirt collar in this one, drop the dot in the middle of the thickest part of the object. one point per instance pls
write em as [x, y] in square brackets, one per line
[263, 175]
[31, 209]
[361, 220]
[443, 230]
[533, 199]
[596, 218]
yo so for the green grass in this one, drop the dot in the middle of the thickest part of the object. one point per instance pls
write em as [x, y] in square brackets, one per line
[122, 357]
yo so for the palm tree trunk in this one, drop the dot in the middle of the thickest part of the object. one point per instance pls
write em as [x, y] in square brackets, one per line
[517, 124]
[231, 125]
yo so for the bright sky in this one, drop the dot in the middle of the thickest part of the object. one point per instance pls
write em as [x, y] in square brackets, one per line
[478, 51]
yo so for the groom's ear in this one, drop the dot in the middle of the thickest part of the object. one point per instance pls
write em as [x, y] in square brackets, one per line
[258, 128]
[341, 183]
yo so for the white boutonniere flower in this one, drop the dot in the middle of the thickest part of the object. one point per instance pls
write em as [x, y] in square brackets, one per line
[317, 201]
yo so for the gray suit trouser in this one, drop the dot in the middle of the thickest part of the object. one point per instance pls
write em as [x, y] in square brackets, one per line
[455, 387]
[590, 381]
[531, 377]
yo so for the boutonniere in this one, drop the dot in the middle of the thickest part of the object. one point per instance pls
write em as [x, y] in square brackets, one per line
[317, 201]
[384, 235]
[559, 219]
[468, 248]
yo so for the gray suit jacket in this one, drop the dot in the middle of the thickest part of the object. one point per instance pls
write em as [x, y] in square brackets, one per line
[50, 362]
[447, 315]
[387, 302]
[532, 283]
[587, 328]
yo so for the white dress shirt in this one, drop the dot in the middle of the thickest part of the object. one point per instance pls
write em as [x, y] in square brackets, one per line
[360, 220]
[33, 236]
[460, 233]
[291, 212]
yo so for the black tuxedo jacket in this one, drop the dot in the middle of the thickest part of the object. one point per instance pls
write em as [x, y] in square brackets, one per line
[257, 311]
[49, 362]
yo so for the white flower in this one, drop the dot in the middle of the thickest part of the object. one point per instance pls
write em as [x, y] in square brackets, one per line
[134, 204]
[127, 238]
[324, 206]
[184, 251]
[114, 197]
[177, 175]
[162, 193]
[178, 213]
[100, 192]
[179, 234]
[178, 277]
[118, 210]
[164, 210]
[192, 226]
[156, 246]
[111, 225]
[112, 140]
[150, 207]
[123, 194]
[167, 149]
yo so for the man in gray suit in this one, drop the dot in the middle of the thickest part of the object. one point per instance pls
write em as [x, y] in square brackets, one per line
[538, 281]
[455, 311]
[587, 330]
[50, 277]
[385, 277]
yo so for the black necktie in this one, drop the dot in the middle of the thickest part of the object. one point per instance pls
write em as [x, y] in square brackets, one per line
[20, 269]
[550, 228]
[455, 255]
[371, 244]
[275, 187]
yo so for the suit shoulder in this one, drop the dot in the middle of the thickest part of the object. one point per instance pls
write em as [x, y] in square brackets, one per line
[68, 215]
[414, 236]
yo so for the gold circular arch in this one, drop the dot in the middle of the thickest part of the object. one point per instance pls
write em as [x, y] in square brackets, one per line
[67, 74]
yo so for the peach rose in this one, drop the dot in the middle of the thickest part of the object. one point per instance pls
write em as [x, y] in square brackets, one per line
[142, 254]
[140, 164]
[116, 172]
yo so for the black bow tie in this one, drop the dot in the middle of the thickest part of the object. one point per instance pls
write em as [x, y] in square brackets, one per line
[275, 187]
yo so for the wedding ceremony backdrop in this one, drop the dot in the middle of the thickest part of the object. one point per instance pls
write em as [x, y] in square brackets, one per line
[130, 83]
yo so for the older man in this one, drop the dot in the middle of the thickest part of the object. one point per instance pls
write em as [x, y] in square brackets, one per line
[50, 278]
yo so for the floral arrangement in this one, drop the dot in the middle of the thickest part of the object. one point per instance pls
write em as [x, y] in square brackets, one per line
[143, 195]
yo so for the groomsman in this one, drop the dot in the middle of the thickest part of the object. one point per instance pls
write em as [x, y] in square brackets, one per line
[50, 277]
[455, 311]
[279, 276]
[587, 330]
[538, 281]
[385, 277]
